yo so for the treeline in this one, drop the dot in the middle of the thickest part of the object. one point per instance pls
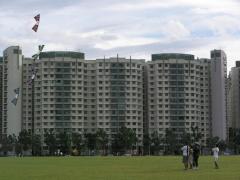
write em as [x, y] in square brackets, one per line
[123, 142]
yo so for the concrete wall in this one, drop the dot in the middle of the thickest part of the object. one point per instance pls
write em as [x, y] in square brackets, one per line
[218, 93]
[12, 74]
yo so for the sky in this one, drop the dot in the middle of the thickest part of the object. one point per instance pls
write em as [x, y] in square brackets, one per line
[136, 28]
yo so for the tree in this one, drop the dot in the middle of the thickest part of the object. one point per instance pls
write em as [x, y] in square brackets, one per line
[102, 140]
[237, 142]
[222, 145]
[195, 134]
[64, 142]
[51, 141]
[8, 143]
[77, 141]
[90, 141]
[171, 142]
[124, 140]
[36, 145]
[131, 140]
[24, 140]
[211, 142]
[234, 140]
[146, 144]
[185, 138]
[155, 143]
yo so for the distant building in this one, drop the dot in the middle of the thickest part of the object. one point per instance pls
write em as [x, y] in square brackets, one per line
[171, 92]
[27, 94]
[82, 96]
[234, 98]
[178, 95]
[1, 95]
[11, 80]
[219, 93]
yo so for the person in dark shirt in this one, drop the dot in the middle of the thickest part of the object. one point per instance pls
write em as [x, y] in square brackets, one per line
[196, 153]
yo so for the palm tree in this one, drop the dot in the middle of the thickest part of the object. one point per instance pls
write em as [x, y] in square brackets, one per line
[196, 134]
[77, 141]
[8, 143]
[24, 140]
[51, 141]
[90, 141]
[124, 140]
[64, 142]
[36, 145]
[102, 140]
[171, 142]
[146, 144]
[155, 142]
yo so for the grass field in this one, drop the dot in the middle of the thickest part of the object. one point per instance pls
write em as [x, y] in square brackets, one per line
[115, 168]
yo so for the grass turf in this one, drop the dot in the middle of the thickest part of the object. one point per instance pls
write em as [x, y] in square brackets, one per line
[115, 168]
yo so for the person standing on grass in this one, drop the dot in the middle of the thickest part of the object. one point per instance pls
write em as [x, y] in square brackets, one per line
[215, 151]
[185, 151]
[196, 153]
[190, 157]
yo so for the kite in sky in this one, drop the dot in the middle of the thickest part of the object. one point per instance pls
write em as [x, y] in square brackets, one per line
[14, 101]
[35, 27]
[33, 74]
[35, 56]
[33, 67]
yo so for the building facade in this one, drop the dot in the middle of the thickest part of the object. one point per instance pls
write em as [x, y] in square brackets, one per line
[27, 94]
[178, 95]
[219, 93]
[11, 80]
[70, 94]
[234, 98]
[1, 95]
[75, 95]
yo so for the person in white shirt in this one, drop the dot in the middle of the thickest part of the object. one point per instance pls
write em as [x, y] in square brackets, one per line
[215, 151]
[185, 150]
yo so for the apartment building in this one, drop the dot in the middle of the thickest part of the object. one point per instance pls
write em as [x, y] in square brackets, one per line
[120, 94]
[219, 93]
[1, 95]
[171, 92]
[178, 94]
[27, 119]
[76, 95]
[11, 80]
[234, 97]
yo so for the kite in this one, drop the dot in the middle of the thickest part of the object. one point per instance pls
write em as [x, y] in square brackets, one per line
[35, 56]
[14, 101]
[33, 74]
[37, 19]
[33, 69]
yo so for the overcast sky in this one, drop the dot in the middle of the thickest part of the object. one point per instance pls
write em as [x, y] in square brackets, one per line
[133, 27]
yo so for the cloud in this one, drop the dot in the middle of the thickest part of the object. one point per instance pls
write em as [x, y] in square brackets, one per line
[133, 27]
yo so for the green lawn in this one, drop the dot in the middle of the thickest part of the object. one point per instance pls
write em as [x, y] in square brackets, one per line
[115, 168]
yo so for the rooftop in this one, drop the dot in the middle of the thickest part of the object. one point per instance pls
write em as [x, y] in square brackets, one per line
[54, 54]
[167, 56]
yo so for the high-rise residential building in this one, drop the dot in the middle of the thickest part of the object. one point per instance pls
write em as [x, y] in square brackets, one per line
[11, 81]
[178, 95]
[27, 69]
[219, 93]
[171, 92]
[120, 94]
[77, 95]
[1, 95]
[234, 98]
